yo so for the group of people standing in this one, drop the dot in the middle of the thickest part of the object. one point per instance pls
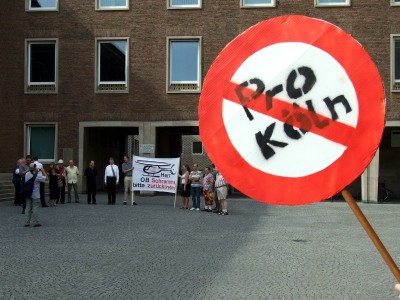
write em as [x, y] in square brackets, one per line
[111, 180]
[194, 182]
[211, 184]
[60, 177]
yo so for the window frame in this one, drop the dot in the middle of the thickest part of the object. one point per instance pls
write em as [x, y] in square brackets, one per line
[202, 148]
[100, 8]
[394, 84]
[27, 139]
[29, 8]
[317, 4]
[394, 3]
[171, 6]
[36, 85]
[169, 83]
[122, 86]
[244, 5]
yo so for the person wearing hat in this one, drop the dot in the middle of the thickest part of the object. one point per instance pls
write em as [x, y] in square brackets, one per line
[61, 176]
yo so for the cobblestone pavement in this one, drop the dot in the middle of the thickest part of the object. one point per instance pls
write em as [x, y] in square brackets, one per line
[153, 251]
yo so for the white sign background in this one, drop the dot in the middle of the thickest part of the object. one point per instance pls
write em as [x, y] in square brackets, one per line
[270, 65]
[155, 174]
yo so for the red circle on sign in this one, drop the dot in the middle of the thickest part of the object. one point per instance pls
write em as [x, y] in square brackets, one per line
[361, 141]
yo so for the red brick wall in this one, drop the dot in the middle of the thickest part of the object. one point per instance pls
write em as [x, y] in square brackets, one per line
[147, 24]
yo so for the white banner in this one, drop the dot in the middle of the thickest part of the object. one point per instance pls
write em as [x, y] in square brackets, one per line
[155, 174]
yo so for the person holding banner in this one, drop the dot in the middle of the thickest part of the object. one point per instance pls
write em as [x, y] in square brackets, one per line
[127, 169]
[208, 184]
[186, 186]
[111, 180]
[195, 177]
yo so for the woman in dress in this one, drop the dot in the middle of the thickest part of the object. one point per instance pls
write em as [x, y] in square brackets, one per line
[186, 185]
[53, 184]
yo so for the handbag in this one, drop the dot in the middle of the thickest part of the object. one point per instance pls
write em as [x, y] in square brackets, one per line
[60, 183]
[211, 195]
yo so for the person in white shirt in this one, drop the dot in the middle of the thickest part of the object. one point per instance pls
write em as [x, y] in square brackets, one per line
[71, 174]
[32, 202]
[42, 184]
[111, 180]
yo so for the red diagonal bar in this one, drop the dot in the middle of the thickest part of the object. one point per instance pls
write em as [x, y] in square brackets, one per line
[335, 131]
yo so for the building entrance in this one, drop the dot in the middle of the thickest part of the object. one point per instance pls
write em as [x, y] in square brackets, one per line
[101, 143]
[183, 142]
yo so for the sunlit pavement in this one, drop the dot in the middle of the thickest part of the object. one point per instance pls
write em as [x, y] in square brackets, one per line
[156, 251]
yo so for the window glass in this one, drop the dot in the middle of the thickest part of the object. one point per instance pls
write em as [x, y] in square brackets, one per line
[397, 59]
[189, 4]
[197, 148]
[42, 141]
[42, 62]
[113, 3]
[184, 2]
[112, 61]
[333, 1]
[257, 2]
[43, 4]
[184, 61]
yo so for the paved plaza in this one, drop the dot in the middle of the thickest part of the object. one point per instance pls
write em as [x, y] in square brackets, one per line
[156, 251]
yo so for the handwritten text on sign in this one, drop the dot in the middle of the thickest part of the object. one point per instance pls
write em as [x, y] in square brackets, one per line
[297, 105]
[285, 98]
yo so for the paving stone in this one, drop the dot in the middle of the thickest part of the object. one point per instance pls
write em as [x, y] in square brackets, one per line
[155, 251]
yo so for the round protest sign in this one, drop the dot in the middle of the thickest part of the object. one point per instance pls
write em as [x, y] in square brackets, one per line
[292, 110]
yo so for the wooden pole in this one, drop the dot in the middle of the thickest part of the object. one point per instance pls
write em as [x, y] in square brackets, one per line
[371, 233]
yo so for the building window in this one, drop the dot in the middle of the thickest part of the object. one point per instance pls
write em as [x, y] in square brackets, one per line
[41, 5]
[197, 148]
[257, 3]
[112, 4]
[41, 66]
[112, 65]
[332, 2]
[395, 2]
[184, 4]
[184, 64]
[41, 141]
[395, 62]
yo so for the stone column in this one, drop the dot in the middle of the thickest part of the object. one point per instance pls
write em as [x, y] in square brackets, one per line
[369, 181]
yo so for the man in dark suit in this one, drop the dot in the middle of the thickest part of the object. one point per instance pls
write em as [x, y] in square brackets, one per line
[91, 176]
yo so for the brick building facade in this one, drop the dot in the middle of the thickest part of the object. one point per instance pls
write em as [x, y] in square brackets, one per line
[89, 115]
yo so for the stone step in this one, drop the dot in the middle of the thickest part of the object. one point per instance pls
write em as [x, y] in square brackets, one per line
[6, 187]
[7, 193]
